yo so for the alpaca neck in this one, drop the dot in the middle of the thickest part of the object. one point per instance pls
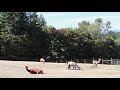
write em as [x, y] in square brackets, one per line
[27, 69]
[99, 60]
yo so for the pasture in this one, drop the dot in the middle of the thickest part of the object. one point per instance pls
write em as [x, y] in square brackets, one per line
[16, 69]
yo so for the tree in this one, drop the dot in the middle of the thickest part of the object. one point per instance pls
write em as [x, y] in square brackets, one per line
[37, 36]
[13, 29]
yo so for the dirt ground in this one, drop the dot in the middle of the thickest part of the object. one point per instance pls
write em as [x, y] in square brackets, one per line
[16, 69]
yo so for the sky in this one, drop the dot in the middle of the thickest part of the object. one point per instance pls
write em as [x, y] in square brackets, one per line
[71, 19]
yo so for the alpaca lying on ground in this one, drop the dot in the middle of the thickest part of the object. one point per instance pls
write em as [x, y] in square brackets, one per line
[42, 60]
[34, 70]
[70, 63]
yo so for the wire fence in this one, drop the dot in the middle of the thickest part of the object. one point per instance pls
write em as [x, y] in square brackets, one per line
[103, 61]
[76, 60]
[111, 61]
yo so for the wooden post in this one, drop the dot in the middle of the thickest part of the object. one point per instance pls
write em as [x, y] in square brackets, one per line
[84, 60]
[102, 60]
[117, 61]
[77, 61]
[111, 61]
[66, 61]
[60, 61]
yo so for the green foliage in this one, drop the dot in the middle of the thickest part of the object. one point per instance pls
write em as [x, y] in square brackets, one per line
[23, 34]
[117, 34]
[27, 34]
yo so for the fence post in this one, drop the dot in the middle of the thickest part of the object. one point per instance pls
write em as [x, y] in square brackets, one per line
[77, 61]
[117, 61]
[84, 60]
[111, 61]
[66, 61]
[102, 60]
[60, 61]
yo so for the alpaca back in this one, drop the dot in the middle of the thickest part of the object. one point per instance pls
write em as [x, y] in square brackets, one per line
[34, 70]
[71, 63]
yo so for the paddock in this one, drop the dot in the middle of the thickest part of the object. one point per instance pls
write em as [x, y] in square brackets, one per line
[16, 69]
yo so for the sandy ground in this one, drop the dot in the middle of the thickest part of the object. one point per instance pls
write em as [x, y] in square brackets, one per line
[16, 69]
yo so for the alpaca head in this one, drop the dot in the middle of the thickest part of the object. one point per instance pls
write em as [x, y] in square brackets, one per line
[26, 66]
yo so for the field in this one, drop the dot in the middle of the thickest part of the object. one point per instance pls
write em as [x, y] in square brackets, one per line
[16, 69]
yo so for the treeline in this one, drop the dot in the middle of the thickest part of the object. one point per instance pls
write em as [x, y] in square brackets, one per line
[25, 34]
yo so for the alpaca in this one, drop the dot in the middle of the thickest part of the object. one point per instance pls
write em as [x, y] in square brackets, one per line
[42, 60]
[95, 62]
[34, 70]
[70, 63]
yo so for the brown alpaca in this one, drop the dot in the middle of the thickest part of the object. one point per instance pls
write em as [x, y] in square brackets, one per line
[34, 70]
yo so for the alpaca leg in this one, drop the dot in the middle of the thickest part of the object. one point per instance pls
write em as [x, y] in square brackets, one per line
[78, 67]
[74, 66]
[40, 72]
[43, 62]
[68, 66]
[96, 65]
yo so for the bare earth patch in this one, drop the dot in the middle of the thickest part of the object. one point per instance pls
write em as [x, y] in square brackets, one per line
[16, 69]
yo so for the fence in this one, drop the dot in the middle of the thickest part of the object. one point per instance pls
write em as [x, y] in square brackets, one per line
[77, 61]
[103, 61]
[111, 61]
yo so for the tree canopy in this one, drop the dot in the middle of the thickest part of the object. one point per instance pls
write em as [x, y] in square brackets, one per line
[27, 34]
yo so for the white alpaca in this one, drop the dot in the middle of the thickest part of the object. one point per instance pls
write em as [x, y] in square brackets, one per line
[70, 63]
[95, 62]
[42, 60]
